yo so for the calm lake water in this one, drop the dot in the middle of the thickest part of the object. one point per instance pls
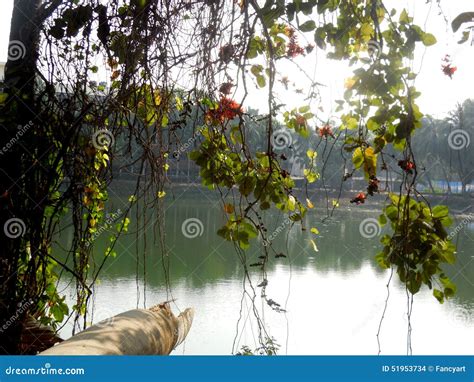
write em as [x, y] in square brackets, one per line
[334, 298]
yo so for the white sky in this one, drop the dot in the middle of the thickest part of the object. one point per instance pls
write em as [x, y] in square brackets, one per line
[439, 93]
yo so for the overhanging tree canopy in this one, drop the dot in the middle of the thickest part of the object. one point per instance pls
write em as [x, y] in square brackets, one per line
[171, 62]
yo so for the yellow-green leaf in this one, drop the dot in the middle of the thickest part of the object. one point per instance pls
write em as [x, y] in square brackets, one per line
[428, 39]
[311, 154]
[179, 104]
[291, 203]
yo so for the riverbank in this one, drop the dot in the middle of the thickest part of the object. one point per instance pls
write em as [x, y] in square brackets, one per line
[459, 205]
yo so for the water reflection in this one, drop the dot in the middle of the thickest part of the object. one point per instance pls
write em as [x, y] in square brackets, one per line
[334, 297]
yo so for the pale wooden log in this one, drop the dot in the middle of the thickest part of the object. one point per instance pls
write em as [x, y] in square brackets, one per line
[135, 332]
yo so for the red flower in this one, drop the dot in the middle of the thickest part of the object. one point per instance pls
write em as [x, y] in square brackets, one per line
[227, 109]
[294, 49]
[406, 165]
[359, 199]
[325, 131]
[447, 69]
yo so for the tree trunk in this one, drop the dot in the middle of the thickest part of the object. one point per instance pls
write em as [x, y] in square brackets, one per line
[18, 111]
[23, 173]
[135, 332]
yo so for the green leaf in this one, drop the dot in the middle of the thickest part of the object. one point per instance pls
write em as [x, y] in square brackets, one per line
[261, 82]
[461, 19]
[414, 283]
[428, 39]
[319, 37]
[439, 295]
[249, 229]
[308, 26]
[446, 221]
[440, 211]
[256, 69]
[223, 232]
[465, 37]
[366, 31]
[382, 261]
[372, 124]
[247, 185]
[57, 313]
[448, 256]
[391, 212]
[449, 287]
[404, 17]
[350, 122]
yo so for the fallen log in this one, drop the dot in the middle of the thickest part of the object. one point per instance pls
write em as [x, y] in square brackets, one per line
[135, 332]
